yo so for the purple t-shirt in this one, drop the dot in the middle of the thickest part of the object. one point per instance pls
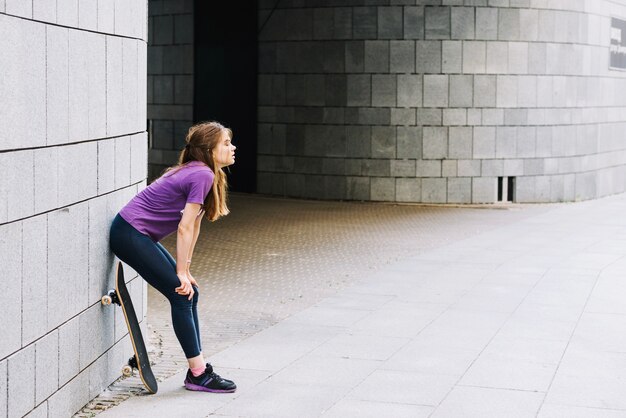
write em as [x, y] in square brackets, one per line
[157, 210]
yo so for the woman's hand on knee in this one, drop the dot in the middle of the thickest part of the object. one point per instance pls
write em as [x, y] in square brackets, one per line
[185, 287]
[192, 280]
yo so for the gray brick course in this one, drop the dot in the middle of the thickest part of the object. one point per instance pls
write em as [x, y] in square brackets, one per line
[434, 190]
[409, 142]
[428, 168]
[506, 91]
[71, 397]
[497, 57]
[454, 117]
[382, 189]
[384, 90]
[474, 57]
[402, 56]
[403, 116]
[506, 140]
[390, 22]
[96, 332]
[34, 267]
[57, 103]
[10, 234]
[42, 10]
[459, 190]
[452, 54]
[460, 142]
[355, 56]
[3, 383]
[409, 90]
[468, 168]
[486, 23]
[484, 144]
[428, 56]
[474, 117]
[19, 8]
[449, 168]
[518, 58]
[435, 143]
[114, 77]
[365, 24]
[383, 142]
[429, 116]
[46, 366]
[106, 16]
[461, 91]
[462, 19]
[508, 24]
[376, 57]
[358, 188]
[483, 190]
[435, 90]
[437, 23]
[485, 90]
[21, 373]
[414, 22]
[408, 189]
[403, 168]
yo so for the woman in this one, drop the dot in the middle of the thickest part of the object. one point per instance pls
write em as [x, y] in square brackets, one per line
[177, 201]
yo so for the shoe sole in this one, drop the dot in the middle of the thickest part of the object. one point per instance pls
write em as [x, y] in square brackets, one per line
[198, 388]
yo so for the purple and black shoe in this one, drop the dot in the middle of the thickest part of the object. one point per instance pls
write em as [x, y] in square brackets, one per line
[209, 382]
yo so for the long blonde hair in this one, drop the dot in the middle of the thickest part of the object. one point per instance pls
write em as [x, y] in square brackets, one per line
[201, 139]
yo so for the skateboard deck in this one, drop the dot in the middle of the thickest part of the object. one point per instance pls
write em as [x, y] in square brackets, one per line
[139, 361]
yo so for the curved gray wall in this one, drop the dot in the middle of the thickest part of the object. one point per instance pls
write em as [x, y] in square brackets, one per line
[433, 100]
[73, 150]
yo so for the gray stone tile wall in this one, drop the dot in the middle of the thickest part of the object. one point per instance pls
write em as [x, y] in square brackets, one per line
[464, 91]
[170, 79]
[73, 150]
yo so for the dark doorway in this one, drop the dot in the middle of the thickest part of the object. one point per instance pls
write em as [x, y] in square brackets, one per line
[225, 80]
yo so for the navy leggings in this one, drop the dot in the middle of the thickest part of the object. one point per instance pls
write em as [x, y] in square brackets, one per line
[152, 261]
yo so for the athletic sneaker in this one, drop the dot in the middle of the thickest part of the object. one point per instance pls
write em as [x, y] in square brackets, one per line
[209, 382]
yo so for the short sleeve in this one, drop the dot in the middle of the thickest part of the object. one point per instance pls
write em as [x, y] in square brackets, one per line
[197, 186]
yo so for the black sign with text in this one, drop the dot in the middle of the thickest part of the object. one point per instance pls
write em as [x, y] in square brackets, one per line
[618, 44]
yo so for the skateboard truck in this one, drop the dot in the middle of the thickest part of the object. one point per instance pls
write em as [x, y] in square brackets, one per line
[132, 365]
[110, 298]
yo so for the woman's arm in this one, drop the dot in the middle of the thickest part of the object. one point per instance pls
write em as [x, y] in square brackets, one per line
[196, 233]
[184, 242]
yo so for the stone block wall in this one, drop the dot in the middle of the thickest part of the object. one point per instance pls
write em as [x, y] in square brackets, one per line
[73, 150]
[434, 100]
[170, 80]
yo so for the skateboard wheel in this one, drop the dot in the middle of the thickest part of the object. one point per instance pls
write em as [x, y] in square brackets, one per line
[106, 300]
[127, 371]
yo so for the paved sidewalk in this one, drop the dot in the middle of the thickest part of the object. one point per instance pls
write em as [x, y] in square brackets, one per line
[525, 320]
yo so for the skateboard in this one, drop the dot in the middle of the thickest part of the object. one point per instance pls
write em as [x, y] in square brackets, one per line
[139, 360]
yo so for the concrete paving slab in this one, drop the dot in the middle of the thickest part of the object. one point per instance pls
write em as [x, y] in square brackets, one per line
[368, 409]
[588, 391]
[489, 371]
[277, 399]
[470, 402]
[530, 350]
[338, 371]
[361, 346]
[338, 317]
[402, 387]
[564, 411]
[398, 319]
[428, 357]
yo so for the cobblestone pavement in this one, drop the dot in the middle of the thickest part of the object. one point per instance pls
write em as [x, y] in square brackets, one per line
[271, 258]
